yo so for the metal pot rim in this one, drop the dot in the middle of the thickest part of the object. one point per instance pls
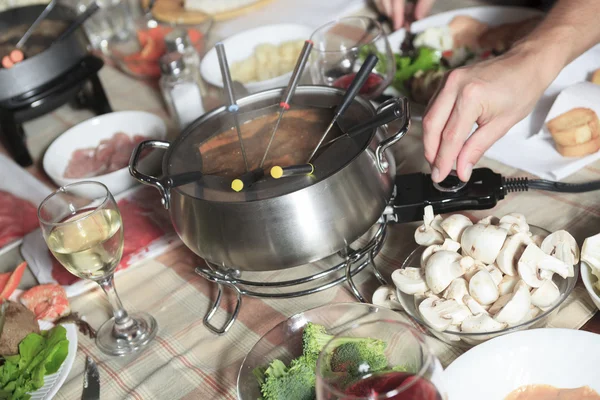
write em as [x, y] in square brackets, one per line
[250, 99]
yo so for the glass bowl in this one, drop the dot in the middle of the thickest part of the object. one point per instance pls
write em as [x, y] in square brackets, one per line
[284, 341]
[138, 52]
[468, 340]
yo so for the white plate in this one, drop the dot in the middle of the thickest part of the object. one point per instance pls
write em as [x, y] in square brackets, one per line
[563, 358]
[241, 46]
[52, 383]
[89, 133]
[22, 184]
[512, 149]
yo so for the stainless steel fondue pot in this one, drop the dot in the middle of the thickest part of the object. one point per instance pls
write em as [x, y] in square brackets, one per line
[278, 224]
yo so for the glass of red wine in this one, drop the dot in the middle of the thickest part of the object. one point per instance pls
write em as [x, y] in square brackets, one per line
[378, 360]
[340, 48]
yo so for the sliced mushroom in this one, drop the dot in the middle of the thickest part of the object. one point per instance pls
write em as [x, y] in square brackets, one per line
[481, 323]
[507, 284]
[483, 242]
[448, 244]
[483, 288]
[457, 290]
[531, 314]
[501, 302]
[432, 317]
[563, 246]
[449, 308]
[410, 280]
[469, 266]
[495, 273]
[546, 295]
[534, 260]
[489, 220]
[426, 235]
[521, 284]
[474, 306]
[455, 225]
[385, 296]
[418, 298]
[511, 252]
[516, 308]
[437, 224]
[514, 223]
[441, 269]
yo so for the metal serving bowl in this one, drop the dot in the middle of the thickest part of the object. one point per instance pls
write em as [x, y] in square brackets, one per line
[468, 340]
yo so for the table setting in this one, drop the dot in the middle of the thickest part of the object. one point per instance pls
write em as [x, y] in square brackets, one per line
[229, 202]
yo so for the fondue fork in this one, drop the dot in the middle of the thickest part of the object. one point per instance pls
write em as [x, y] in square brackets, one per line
[232, 106]
[289, 92]
[359, 80]
[35, 24]
[388, 114]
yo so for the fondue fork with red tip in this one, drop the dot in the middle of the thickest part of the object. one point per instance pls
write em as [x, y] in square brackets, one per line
[289, 92]
[359, 80]
[232, 106]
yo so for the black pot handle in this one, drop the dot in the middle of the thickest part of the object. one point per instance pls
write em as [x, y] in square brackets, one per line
[163, 186]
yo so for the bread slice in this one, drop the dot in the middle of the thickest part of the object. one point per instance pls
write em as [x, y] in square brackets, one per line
[578, 134]
[579, 150]
[571, 119]
[596, 77]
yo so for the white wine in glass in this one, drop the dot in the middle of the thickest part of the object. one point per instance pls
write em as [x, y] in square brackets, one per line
[85, 234]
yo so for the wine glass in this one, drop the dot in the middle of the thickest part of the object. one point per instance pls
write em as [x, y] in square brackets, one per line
[340, 48]
[83, 228]
[407, 372]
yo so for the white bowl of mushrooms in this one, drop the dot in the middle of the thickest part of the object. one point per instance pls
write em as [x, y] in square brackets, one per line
[469, 282]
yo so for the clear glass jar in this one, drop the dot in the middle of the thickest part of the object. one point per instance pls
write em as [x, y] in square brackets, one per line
[180, 90]
[179, 41]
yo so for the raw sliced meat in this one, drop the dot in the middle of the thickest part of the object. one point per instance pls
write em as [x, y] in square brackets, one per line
[109, 156]
[144, 221]
[18, 217]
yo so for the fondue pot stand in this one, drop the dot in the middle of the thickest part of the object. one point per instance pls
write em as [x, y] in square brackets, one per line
[325, 228]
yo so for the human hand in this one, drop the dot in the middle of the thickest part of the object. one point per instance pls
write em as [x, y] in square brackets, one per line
[494, 94]
[398, 10]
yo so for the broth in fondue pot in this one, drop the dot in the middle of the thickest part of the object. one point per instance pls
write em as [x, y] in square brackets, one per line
[296, 137]
[547, 392]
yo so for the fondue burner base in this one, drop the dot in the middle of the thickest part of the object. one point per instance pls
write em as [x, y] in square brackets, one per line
[353, 262]
[80, 85]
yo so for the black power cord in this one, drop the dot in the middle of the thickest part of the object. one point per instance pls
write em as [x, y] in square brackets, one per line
[524, 184]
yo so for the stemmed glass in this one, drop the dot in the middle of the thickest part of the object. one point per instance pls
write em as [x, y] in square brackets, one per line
[340, 48]
[82, 227]
[412, 371]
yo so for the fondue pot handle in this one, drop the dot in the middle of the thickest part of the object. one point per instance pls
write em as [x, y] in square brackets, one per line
[382, 164]
[163, 186]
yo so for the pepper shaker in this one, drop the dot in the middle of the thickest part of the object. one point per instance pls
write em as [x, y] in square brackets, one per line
[180, 90]
[179, 41]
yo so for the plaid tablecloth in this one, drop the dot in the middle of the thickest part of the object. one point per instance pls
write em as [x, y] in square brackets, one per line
[186, 360]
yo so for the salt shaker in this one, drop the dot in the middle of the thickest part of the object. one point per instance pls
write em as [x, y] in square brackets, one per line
[178, 40]
[180, 90]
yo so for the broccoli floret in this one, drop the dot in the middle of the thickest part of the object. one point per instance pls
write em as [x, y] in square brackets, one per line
[359, 356]
[314, 338]
[296, 382]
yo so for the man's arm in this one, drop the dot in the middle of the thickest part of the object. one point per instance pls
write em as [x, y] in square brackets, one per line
[498, 93]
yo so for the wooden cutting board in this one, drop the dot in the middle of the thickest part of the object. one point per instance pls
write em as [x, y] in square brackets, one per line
[173, 11]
